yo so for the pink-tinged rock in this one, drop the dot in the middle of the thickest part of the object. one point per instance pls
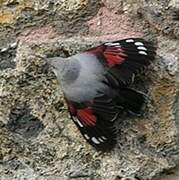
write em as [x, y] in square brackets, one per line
[109, 25]
[38, 35]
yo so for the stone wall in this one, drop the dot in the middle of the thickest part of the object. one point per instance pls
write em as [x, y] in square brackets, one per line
[37, 138]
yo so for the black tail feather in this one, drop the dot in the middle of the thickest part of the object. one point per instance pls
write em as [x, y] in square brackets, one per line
[131, 100]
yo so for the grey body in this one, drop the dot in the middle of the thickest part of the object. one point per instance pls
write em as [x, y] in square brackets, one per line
[80, 76]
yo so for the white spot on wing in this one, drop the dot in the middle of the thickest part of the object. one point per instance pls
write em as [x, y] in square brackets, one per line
[100, 139]
[104, 137]
[95, 140]
[77, 121]
[143, 52]
[112, 44]
[129, 40]
[116, 44]
[139, 44]
[108, 44]
[86, 136]
[142, 48]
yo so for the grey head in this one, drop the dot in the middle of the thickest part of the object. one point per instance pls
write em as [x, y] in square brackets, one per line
[80, 76]
[65, 69]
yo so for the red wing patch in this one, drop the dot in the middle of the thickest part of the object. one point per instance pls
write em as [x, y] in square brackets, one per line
[87, 117]
[114, 55]
[95, 126]
[112, 52]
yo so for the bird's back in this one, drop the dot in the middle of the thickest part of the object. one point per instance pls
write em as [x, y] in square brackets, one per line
[87, 84]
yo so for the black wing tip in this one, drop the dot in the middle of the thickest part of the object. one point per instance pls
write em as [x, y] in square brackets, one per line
[133, 101]
[108, 141]
[139, 39]
[137, 47]
[108, 146]
[105, 149]
[150, 45]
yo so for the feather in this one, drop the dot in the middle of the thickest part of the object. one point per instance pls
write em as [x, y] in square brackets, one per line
[124, 59]
[96, 121]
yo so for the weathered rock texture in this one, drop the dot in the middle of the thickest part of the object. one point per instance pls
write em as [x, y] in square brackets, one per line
[37, 138]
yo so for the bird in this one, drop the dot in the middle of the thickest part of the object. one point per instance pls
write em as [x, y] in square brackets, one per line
[96, 86]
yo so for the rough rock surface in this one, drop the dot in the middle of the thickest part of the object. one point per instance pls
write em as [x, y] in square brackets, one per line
[37, 138]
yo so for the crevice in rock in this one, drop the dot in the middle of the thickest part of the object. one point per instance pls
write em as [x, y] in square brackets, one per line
[22, 122]
[7, 58]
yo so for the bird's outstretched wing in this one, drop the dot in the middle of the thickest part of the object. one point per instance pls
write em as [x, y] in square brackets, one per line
[96, 121]
[124, 59]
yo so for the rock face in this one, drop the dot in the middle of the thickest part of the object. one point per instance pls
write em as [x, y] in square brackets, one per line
[37, 138]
